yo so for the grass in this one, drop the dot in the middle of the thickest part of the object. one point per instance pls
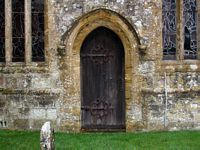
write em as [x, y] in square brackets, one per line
[179, 140]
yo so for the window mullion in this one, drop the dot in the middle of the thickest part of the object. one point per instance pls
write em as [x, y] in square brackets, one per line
[28, 39]
[8, 31]
[180, 31]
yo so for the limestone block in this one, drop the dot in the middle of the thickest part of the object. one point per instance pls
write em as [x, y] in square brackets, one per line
[51, 114]
[47, 137]
[37, 113]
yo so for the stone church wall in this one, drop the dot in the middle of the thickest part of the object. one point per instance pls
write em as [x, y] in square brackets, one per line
[33, 94]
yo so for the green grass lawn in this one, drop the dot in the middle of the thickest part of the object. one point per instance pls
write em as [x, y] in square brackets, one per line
[182, 140]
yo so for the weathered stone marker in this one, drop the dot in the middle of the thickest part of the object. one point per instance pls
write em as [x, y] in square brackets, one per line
[47, 137]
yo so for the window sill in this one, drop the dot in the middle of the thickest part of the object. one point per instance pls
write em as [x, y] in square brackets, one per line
[180, 66]
[21, 67]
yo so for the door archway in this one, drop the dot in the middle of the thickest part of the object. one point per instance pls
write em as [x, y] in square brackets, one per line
[71, 62]
[102, 81]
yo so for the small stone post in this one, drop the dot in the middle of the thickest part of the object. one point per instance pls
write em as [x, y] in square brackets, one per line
[47, 137]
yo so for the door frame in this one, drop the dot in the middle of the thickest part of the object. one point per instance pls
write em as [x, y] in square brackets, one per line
[73, 41]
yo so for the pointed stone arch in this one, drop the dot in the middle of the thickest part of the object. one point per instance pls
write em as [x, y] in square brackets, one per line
[71, 61]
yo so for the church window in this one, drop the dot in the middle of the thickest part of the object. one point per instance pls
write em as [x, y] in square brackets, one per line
[180, 29]
[37, 30]
[22, 31]
[190, 29]
[18, 39]
[169, 29]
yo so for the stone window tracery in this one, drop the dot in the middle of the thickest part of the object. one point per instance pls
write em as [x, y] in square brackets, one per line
[22, 31]
[169, 29]
[190, 29]
[180, 29]
[37, 7]
[18, 39]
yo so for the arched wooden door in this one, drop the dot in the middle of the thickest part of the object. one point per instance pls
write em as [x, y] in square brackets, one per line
[102, 81]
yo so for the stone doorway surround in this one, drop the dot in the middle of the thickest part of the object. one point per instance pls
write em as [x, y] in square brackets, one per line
[70, 64]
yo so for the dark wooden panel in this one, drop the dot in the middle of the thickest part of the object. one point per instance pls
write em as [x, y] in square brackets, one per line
[102, 83]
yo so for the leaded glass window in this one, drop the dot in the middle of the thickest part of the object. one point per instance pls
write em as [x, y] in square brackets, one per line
[190, 29]
[169, 29]
[37, 30]
[18, 40]
[2, 31]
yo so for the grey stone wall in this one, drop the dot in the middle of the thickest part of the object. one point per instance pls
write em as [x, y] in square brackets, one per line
[33, 94]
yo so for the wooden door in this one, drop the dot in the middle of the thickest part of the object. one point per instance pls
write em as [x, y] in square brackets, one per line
[102, 81]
